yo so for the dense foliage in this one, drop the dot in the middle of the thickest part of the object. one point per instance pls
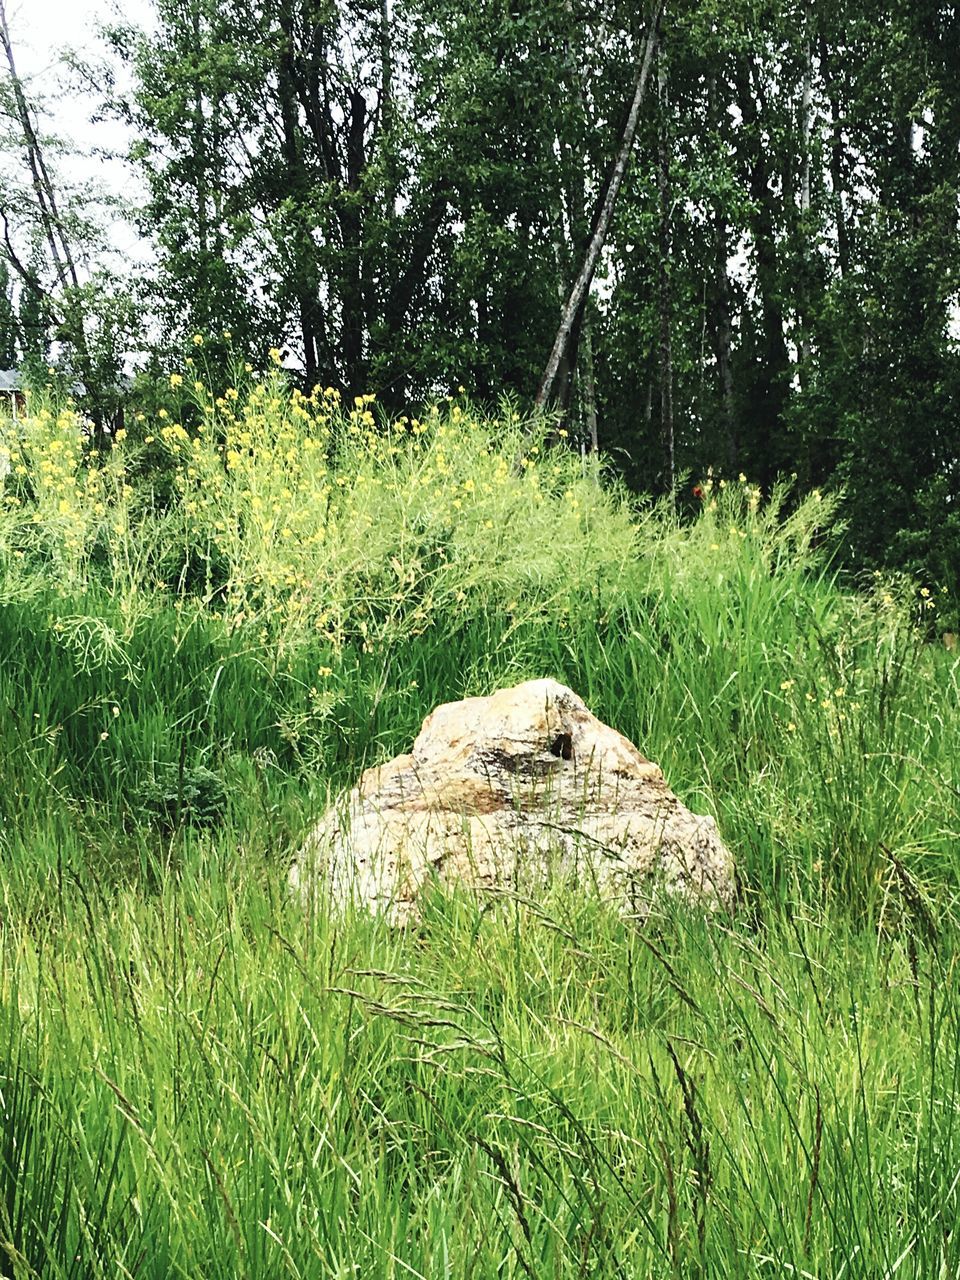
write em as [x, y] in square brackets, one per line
[223, 592]
[399, 192]
[196, 1078]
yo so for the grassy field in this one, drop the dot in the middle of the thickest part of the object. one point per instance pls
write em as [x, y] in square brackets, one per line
[208, 631]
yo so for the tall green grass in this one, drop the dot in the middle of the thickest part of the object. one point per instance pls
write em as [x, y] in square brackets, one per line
[196, 1079]
[202, 1082]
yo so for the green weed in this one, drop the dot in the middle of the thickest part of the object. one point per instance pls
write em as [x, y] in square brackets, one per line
[197, 1079]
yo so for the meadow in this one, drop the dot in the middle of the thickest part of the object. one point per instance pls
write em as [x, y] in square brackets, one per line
[211, 628]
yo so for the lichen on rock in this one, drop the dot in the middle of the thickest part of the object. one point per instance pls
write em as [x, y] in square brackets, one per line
[508, 792]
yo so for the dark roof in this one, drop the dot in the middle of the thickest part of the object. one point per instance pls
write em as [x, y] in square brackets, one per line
[10, 380]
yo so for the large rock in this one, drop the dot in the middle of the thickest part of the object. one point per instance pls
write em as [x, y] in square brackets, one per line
[503, 793]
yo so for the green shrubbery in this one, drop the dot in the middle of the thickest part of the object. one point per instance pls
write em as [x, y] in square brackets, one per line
[321, 580]
[207, 1083]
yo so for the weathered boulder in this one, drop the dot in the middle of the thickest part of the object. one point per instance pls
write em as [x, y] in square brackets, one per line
[507, 792]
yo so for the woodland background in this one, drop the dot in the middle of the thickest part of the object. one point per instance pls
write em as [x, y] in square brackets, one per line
[281, 486]
[398, 193]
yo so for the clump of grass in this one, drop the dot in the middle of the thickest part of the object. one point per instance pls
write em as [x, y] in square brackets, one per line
[173, 793]
[195, 1079]
[238, 1090]
[321, 520]
[326, 577]
[60, 497]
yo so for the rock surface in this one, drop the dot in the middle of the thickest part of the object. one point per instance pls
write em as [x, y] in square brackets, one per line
[503, 793]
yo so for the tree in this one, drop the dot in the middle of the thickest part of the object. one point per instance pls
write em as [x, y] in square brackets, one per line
[8, 320]
[411, 194]
[46, 233]
[884, 393]
[563, 353]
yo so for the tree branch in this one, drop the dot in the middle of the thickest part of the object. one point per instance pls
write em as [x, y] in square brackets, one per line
[573, 309]
[17, 263]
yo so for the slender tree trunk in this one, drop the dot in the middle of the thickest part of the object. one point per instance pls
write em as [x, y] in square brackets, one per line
[806, 130]
[55, 233]
[772, 376]
[308, 90]
[836, 156]
[725, 342]
[296, 181]
[570, 321]
[200, 149]
[351, 227]
[665, 290]
[481, 370]
[386, 72]
[385, 270]
[43, 191]
[578, 233]
[589, 388]
[572, 238]
[806, 127]
[723, 332]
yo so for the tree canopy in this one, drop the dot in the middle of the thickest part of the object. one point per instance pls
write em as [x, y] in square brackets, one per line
[401, 194]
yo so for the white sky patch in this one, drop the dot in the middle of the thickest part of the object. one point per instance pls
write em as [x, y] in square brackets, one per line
[41, 30]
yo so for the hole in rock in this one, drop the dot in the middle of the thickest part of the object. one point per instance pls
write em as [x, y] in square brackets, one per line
[562, 746]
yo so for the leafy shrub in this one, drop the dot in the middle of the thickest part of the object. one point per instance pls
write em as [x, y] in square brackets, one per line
[173, 795]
